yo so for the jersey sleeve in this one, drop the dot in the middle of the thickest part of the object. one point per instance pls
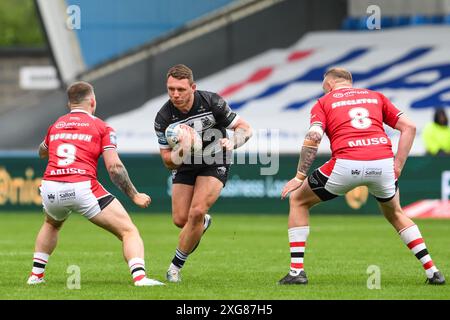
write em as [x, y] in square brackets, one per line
[390, 112]
[317, 116]
[160, 126]
[222, 112]
[109, 139]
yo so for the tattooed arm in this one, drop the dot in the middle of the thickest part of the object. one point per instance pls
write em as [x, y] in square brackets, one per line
[119, 176]
[43, 150]
[307, 156]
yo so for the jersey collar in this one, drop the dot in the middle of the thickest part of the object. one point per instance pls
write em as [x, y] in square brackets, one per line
[79, 110]
[343, 87]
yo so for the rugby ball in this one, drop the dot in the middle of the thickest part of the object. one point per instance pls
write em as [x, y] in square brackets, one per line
[175, 131]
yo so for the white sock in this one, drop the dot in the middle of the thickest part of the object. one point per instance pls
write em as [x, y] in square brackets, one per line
[137, 268]
[413, 239]
[40, 260]
[297, 244]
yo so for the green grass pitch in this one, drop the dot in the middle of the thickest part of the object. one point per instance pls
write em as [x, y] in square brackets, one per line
[240, 257]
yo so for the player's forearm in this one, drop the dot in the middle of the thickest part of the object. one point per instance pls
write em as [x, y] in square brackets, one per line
[241, 136]
[43, 151]
[119, 176]
[308, 153]
[404, 146]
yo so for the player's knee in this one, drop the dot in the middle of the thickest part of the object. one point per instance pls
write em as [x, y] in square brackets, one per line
[53, 223]
[197, 213]
[128, 231]
[296, 201]
[179, 220]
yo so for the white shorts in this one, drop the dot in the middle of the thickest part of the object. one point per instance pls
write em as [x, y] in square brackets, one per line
[338, 176]
[60, 199]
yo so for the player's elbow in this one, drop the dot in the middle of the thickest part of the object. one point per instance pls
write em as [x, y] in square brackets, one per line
[169, 165]
[43, 153]
[412, 128]
[114, 168]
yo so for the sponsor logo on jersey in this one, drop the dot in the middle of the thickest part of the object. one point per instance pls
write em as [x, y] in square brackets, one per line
[206, 122]
[367, 142]
[356, 172]
[60, 125]
[67, 171]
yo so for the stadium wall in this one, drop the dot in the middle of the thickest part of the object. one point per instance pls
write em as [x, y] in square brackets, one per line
[247, 191]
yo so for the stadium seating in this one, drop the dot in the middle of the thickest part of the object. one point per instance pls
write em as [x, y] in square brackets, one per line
[359, 23]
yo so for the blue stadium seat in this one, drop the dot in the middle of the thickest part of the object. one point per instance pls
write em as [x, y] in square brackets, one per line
[419, 19]
[446, 19]
[436, 19]
[401, 20]
[350, 23]
[387, 22]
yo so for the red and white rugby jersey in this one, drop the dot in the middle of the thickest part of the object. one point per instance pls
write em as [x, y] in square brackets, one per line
[75, 142]
[353, 121]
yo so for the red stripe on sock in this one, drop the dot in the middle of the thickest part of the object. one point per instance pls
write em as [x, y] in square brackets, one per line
[297, 244]
[428, 265]
[297, 265]
[414, 243]
[40, 260]
[40, 275]
[142, 276]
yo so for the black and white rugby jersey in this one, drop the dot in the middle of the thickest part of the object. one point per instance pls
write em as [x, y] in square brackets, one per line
[210, 116]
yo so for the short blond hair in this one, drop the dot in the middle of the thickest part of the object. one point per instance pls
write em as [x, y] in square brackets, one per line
[339, 73]
[78, 91]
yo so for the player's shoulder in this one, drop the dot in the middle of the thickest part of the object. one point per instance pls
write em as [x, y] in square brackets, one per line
[98, 124]
[209, 96]
[164, 112]
[212, 99]
[97, 121]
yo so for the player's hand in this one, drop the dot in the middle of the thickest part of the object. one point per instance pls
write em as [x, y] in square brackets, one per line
[186, 139]
[397, 170]
[292, 185]
[226, 143]
[142, 200]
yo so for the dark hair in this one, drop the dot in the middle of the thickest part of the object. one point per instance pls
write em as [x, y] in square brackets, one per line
[78, 91]
[339, 73]
[180, 71]
[440, 117]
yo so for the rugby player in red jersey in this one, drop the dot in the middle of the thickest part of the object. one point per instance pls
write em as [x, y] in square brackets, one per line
[73, 145]
[362, 154]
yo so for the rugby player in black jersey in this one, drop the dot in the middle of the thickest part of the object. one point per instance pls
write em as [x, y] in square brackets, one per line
[197, 178]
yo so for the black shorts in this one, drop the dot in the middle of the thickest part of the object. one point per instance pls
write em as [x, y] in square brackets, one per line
[187, 174]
